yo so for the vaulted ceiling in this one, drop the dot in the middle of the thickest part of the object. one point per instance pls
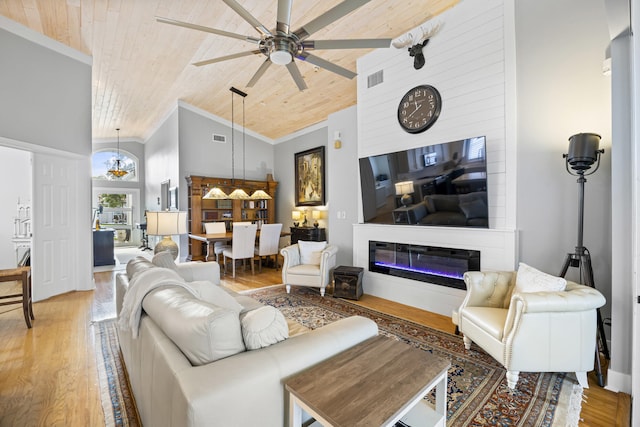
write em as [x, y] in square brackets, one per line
[141, 67]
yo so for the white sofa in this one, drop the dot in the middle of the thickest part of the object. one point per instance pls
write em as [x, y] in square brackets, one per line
[244, 389]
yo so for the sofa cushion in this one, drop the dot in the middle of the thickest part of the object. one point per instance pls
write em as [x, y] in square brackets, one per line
[474, 209]
[263, 326]
[442, 202]
[164, 259]
[214, 294]
[138, 264]
[311, 252]
[529, 279]
[204, 332]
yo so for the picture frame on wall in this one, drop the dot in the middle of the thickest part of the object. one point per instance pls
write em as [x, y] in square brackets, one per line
[310, 177]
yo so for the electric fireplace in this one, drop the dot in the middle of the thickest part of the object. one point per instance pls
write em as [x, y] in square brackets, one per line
[441, 266]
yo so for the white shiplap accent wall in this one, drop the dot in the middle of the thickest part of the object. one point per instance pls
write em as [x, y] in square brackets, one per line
[465, 61]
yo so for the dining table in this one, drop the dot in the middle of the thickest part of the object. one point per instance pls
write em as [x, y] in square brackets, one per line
[209, 239]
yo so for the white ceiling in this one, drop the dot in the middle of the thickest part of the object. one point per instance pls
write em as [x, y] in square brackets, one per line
[141, 67]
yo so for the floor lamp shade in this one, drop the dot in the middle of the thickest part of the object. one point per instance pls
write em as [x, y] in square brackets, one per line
[166, 224]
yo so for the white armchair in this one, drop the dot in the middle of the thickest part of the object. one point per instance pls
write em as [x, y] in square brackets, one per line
[308, 264]
[530, 332]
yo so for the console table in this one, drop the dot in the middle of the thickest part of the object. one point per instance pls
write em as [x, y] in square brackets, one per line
[314, 234]
[373, 368]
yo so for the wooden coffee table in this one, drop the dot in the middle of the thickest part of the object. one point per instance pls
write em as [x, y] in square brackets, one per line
[376, 383]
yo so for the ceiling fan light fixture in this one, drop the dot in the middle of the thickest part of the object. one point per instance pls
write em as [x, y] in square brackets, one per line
[280, 57]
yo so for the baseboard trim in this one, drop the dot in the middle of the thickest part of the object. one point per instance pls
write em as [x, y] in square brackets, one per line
[618, 382]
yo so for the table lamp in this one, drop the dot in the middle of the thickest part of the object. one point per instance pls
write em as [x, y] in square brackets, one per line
[316, 216]
[166, 224]
[295, 216]
[404, 189]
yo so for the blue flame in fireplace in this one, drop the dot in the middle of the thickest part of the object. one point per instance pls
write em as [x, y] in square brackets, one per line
[454, 275]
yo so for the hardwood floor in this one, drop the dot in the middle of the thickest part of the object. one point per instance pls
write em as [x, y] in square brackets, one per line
[48, 374]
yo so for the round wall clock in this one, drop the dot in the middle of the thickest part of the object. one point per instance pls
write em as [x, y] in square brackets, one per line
[419, 109]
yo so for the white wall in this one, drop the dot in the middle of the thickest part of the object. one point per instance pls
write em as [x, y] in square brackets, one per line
[468, 62]
[16, 169]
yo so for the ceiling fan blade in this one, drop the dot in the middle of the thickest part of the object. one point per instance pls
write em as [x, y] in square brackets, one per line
[284, 15]
[328, 17]
[206, 29]
[225, 58]
[297, 77]
[259, 73]
[244, 13]
[304, 56]
[346, 44]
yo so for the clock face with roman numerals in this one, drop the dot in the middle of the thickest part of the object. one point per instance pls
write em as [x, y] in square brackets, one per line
[419, 108]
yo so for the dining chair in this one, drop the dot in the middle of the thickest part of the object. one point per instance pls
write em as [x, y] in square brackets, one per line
[242, 246]
[216, 228]
[269, 243]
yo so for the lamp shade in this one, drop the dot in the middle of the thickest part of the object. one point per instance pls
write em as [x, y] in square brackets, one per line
[239, 194]
[166, 223]
[295, 215]
[260, 195]
[315, 214]
[583, 150]
[216, 193]
[404, 187]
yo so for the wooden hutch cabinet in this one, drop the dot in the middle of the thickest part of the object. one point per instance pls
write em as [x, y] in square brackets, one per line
[201, 211]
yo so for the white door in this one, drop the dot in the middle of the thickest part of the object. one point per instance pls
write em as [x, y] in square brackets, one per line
[62, 248]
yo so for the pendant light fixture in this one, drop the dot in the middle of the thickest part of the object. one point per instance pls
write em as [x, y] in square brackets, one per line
[238, 193]
[117, 172]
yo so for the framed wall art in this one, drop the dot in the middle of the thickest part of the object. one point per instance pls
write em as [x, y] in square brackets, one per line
[309, 166]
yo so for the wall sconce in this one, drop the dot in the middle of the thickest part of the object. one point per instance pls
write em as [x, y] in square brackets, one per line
[295, 216]
[316, 216]
[337, 142]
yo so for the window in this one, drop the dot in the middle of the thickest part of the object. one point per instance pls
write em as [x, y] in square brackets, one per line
[102, 161]
[474, 148]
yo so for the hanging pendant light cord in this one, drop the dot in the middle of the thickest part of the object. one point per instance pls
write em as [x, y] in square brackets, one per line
[233, 162]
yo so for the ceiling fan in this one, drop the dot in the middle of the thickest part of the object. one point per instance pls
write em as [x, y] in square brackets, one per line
[281, 45]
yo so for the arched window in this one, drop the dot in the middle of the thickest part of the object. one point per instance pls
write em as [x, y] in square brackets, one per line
[104, 160]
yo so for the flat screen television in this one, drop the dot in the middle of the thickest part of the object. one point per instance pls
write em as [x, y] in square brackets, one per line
[436, 185]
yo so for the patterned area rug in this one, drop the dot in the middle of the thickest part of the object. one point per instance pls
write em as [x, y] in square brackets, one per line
[477, 393]
[118, 403]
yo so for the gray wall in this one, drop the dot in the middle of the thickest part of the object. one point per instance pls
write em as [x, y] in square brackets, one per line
[343, 182]
[200, 156]
[53, 106]
[285, 172]
[561, 91]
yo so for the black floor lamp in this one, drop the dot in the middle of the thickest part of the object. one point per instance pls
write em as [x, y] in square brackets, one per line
[583, 153]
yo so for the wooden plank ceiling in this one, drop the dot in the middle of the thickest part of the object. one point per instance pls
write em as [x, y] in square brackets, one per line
[141, 67]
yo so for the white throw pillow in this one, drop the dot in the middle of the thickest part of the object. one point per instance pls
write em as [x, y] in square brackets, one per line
[311, 252]
[529, 279]
[263, 326]
[214, 294]
[164, 259]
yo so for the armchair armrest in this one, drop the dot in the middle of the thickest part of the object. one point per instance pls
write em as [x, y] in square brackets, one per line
[575, 298]
[488, 289]
[328, 261]
[291, 255]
